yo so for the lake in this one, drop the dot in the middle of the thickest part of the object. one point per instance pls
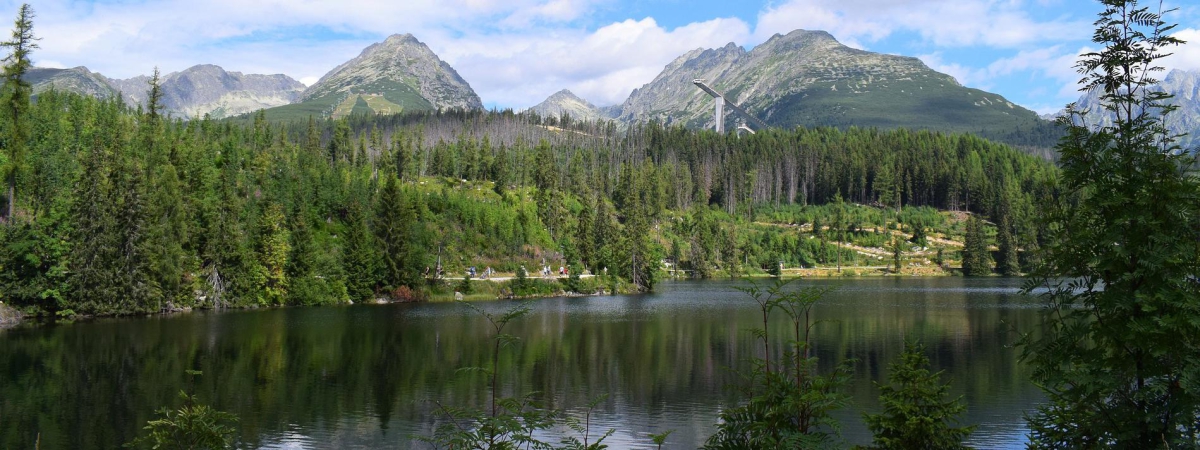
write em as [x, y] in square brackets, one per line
[371, 376]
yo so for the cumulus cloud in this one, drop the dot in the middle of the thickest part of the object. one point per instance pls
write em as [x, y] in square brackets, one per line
[1187, 56]
[514, 53]
[602, 66]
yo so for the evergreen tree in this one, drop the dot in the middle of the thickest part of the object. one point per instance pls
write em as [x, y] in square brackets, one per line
[167, 233]
[916, 413]
[360, 258]
[94, 255]
[16, 99]
[396, 228]
[976, 259]
[1118, 356]
[1007, 261]
[302, 262]
[274, 247]
[133, 276]
[897, 248]
[154, 97]
[839, 225]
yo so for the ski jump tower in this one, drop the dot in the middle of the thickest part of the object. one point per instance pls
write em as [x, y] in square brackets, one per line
[719, 102]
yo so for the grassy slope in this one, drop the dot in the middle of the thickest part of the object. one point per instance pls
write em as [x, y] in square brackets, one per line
[916, 104]
[381, 97]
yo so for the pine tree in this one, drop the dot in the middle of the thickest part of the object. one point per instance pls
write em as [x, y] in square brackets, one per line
[397, 230]
[302, 262]
[274, 247]
[1007, 261]
[94, 255]
[16, 93]
[916, 413]
[897, 254]
[133, 278]
[1118, 356]
[360, 258]
[976, 260]
[167, 233]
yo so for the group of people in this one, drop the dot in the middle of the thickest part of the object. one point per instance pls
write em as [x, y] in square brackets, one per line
[547, 271]
[487, 272]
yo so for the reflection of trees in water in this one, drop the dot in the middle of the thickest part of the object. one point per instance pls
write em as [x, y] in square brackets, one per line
[359, 374]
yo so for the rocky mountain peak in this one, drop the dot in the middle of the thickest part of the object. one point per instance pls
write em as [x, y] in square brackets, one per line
[566, 102]
[397, 74]
[807, 77]
[1183, 85]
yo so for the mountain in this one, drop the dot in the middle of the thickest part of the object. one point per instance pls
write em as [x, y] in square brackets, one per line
[808, 78]
[1183, 84]
[565, 101]
[209, 89]
[398, 74]
[76, 79]
[191, 93]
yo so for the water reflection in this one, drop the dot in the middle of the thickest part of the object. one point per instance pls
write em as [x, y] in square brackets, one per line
[368, 376]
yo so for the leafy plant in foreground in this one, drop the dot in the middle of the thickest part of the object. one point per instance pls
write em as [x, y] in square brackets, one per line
[192, 426]
[916, 413]
[789, 406]
[1119, 353]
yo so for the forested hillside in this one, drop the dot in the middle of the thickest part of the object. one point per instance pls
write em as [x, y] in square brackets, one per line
[120, 211]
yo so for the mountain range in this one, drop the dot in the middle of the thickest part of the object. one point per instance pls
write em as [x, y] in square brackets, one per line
[1184, 85]
[191, 93]
[803, 78]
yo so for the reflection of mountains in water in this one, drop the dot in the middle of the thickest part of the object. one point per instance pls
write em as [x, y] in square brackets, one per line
[369, 376]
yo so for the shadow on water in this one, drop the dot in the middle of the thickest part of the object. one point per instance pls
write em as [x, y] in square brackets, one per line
[367, 376]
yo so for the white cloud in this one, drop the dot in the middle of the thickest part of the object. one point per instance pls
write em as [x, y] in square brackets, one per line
[602, 66]
[516, 52]
[50, 63]
[513, 52]
[966, 76]
[1186, 56]
[949, 23]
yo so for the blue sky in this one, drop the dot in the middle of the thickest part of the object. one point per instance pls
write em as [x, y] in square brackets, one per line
[514, 53]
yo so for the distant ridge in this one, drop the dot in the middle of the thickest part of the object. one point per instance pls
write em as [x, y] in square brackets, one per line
[808, 78]
[399, 74]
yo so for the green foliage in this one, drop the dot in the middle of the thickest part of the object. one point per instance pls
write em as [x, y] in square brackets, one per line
[661, 438]
[1118, 357]
[897, 248]
[976, 259]
[193, 426]
[16, 93]
[916, 413]
[131, 213]
[790, 403]
[361, 258]
[401, 237]
[273, 250]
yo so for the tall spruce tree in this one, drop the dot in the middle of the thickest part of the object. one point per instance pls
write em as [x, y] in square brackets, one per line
[360, 257]
[1119, 354]
[397, 229]
[94, 254]
[16, 96]
[976, 260]
[1006, 262]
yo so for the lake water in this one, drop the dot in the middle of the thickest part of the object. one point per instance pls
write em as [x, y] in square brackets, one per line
[369, 376]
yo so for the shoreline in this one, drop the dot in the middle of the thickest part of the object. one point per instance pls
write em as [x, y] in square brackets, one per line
[11, 317]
